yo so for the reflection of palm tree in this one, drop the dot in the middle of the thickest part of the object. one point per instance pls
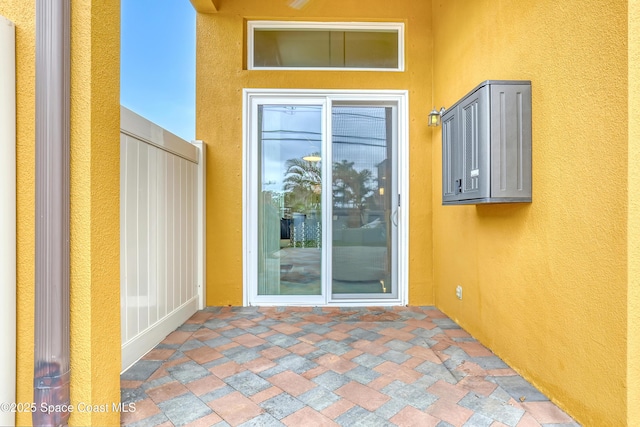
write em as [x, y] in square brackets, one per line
[303, 185]
[351, 187]
[342, 171]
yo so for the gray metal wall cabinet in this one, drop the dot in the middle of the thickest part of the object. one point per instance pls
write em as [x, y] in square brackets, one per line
[486, 145]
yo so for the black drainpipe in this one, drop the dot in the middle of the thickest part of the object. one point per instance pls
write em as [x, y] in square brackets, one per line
[52, 345]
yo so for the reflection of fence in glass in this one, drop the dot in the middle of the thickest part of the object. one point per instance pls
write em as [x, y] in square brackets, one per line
[305, 232]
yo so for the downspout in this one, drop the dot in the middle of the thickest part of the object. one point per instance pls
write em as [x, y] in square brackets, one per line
[52, 345]
[7, 219]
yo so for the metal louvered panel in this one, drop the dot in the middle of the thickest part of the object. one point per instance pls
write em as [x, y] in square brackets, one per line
[448, 154]
[470, 146]
[486, 145]
[511, 141]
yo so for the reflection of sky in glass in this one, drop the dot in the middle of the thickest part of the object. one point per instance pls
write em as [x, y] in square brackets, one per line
[359, 136]
[287, 132]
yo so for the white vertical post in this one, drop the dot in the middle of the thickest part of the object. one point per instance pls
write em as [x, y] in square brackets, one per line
[202, 222]
[7, 218]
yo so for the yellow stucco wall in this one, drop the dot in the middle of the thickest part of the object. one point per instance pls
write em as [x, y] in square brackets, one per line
[23, 16]
[221, 76]
[95, 235]
[95, 208]
[545, 284]
[633, 329]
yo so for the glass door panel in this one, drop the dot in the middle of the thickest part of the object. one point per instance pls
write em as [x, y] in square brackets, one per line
[290, 199]
[322, 224]
[364, 200]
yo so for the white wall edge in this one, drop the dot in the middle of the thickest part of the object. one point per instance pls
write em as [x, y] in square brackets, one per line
[202, 225]
[7, 218]
[246, 199]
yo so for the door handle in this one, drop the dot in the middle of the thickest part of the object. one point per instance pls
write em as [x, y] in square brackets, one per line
[394, 214]
[394, 217]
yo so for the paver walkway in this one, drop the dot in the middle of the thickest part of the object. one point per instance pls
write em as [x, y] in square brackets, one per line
[404, 366]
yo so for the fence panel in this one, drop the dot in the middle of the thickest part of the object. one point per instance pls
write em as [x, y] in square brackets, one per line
[160, 222]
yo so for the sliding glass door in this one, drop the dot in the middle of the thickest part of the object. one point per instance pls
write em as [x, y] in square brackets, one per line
[363, 233]
[322, 200]
[290, 141]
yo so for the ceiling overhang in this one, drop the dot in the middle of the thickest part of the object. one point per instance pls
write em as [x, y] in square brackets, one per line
[205, 6]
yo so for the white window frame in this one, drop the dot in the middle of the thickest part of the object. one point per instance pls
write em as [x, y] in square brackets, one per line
[325, 26]
[249, 191]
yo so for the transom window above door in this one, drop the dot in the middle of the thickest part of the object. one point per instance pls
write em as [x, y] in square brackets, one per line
[325, 46]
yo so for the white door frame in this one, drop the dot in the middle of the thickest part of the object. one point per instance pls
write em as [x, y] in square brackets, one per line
[249, 189]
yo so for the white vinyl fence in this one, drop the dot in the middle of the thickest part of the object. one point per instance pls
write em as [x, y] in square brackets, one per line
[162, 233]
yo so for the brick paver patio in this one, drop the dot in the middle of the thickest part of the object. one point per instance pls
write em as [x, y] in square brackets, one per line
[404, 366]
